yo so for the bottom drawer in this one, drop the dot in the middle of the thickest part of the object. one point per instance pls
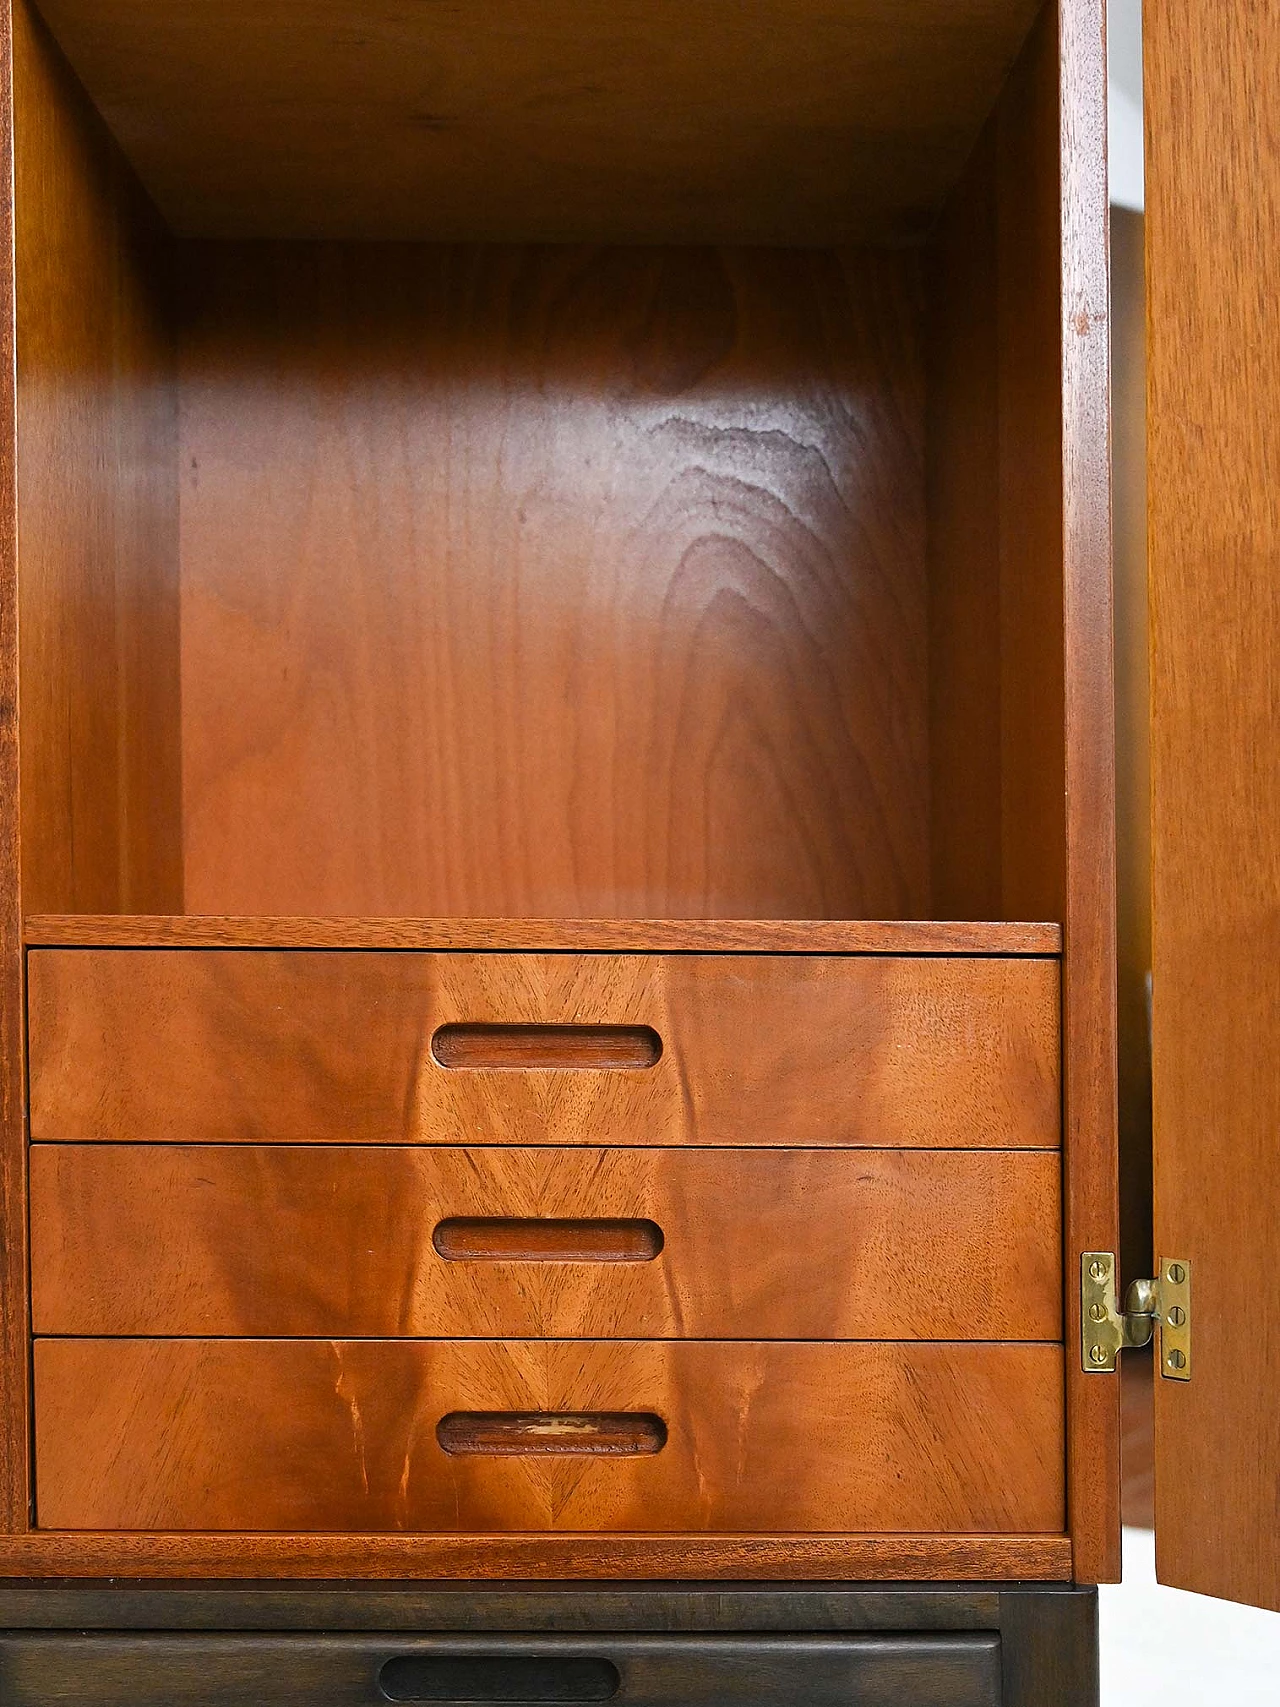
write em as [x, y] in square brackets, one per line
[471, 1436]
[642, 1671]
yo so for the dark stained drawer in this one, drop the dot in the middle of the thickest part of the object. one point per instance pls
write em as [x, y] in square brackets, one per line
[236, 1046]
[516, 1671]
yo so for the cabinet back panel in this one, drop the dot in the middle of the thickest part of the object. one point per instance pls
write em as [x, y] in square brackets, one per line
[553, 582]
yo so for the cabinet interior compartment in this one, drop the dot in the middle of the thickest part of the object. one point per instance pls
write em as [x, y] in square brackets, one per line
[518, 499]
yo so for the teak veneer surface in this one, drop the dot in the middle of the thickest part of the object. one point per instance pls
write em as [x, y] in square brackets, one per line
[766, 122]
[1213, 395]
[544, 1557]
[679, 936]
[303, 1435]
[553, 582]
[15, 1363]
[793, 1244]
[142, 1045]
[97, 505]
[1091, 1189]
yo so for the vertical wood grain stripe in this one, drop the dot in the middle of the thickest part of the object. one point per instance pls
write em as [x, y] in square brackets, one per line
[1090, 1139]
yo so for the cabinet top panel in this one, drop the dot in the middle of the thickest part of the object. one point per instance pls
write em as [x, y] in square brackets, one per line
[732, 121]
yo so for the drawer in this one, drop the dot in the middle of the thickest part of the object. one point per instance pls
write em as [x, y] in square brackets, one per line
[508, 1242]
[158, 1045]
[954, 1670]
[490, 1436]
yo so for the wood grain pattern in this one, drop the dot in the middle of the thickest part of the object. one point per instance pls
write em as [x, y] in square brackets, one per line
[683, 936]
[995, 508]
[558, 583]
[1133, 739]
[551, 1434]
[1036, 226]
[962, 463]
[15, 1429]
[97, 496]
[1047, 1632]
[1213, 246]
[1090, 1141]
[551, 1048]
[1049, 1648]
[770, 123]
[149, 1670]
[409, 1607]
[336, 1242]
[542, 1558]
[560, 1239]
[240, 1046]
[300, 1436]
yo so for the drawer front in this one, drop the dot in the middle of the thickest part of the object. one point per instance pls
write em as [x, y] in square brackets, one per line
[509, 1242]
[483, 1436]
[959, 1670]
[155, 1045]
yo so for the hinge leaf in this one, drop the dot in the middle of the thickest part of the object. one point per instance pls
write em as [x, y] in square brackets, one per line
[1162, 1306]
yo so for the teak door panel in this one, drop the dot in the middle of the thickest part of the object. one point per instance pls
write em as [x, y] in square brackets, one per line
[1213, 251]
[682, 1244]
[248, 1046]
[307, 1436]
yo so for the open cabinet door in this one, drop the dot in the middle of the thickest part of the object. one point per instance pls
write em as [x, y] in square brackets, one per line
[1212, 75]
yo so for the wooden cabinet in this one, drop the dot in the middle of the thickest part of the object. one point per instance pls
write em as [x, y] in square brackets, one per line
[556, 910]
[559, 909]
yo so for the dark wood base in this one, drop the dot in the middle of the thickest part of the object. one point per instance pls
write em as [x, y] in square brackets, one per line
[654, 1645]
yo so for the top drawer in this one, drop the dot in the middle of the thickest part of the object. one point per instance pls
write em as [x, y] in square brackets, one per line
[249, 1045]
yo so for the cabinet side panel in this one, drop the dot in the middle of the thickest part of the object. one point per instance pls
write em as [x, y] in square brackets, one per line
[14, 1369]
[1090, 1136]
[97, 508]
[1029, 458]
[1020, 589]
[995, 514]
[963, 508]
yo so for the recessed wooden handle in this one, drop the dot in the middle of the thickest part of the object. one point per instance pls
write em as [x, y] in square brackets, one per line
[558, 1047]
[521, 1434]
[478, 1239]
[485, 1678]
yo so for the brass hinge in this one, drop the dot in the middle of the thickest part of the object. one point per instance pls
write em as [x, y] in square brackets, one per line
[1162, 1305]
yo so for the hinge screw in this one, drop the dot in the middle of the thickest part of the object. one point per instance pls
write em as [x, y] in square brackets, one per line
[1177, 1274]
[1097, 1270]
[1176, 1360]
[1097, 1353]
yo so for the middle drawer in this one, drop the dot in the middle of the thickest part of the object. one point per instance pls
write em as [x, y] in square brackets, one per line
[337, 1241]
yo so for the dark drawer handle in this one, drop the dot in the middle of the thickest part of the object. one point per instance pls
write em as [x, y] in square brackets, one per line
[485, 1678]
[524, 1434]
[564, 1048]
[481, 1239]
